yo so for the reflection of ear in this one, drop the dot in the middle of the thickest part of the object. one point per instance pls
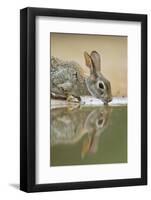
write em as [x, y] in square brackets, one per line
[88, 61]
[95, 56]
[85, 147]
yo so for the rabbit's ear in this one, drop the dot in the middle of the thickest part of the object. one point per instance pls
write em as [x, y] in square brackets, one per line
[88, 62]
[95, 56]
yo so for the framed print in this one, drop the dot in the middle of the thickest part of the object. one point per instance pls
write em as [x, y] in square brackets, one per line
[83, 99]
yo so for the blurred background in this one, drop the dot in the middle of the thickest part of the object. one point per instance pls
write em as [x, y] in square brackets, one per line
[113, 51]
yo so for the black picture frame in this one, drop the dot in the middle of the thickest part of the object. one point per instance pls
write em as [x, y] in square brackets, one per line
[28, 99]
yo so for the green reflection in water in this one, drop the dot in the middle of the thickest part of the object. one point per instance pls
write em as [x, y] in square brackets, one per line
[88, 135]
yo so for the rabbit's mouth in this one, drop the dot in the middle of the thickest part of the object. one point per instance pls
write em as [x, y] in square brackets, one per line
[106, 101]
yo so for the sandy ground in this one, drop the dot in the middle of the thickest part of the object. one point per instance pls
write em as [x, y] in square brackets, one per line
[88, 101]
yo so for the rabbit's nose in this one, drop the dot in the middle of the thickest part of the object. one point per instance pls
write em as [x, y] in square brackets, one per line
[110, 99]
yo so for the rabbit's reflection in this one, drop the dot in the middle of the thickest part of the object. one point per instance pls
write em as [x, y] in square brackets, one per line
[70, 126]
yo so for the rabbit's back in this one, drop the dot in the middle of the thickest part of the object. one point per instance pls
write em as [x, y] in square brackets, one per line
[67, 78]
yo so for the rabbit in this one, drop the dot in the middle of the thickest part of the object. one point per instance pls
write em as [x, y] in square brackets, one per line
[68, 80]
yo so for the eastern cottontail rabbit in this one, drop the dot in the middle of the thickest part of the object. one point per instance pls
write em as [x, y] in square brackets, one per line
[68, 79]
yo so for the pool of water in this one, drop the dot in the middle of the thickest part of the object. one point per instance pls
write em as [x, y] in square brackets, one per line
[88, 135]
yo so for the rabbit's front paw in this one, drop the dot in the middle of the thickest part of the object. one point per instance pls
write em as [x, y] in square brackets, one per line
[73, 99]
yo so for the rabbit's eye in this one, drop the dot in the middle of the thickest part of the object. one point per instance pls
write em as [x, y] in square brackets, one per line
[101, 85]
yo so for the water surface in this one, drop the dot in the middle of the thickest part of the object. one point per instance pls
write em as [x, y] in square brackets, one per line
[88, 135]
